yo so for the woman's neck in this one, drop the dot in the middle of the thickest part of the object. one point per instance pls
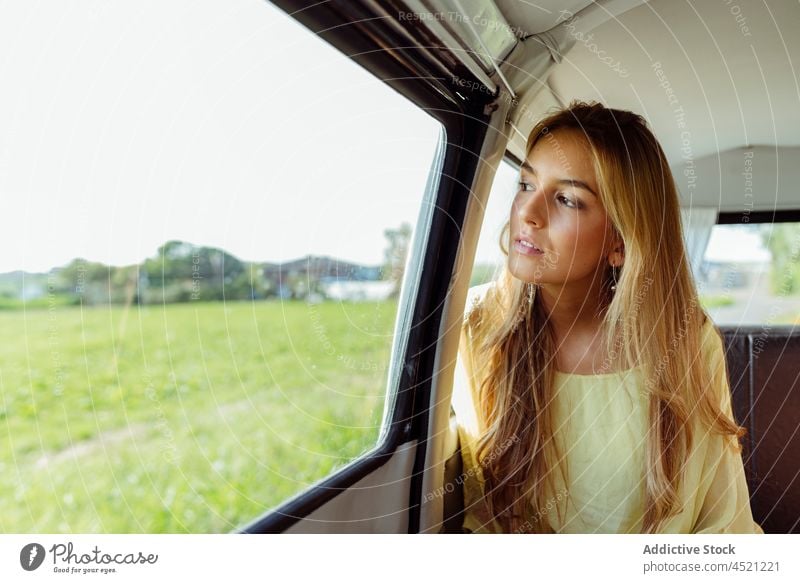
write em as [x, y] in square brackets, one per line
[576, 315]
[572, 310]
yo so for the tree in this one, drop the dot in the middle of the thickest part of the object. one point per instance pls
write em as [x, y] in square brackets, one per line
[399, 241]
[85, 281]
[184, 271]
[783, 241]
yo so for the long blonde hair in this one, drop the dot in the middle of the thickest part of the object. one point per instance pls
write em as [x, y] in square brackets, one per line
[653, 320]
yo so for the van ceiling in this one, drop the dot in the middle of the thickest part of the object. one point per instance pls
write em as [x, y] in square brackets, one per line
[715, 80]
[539, 16]
[737, 86]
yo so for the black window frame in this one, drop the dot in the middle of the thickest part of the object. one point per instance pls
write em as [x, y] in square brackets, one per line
[758, 217]
[425, 73]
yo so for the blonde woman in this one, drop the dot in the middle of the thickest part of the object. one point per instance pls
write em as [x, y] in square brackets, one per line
[592, 393]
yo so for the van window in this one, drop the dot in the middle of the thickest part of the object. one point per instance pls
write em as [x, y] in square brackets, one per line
[488, 256]
[750, 274]
[207, 224]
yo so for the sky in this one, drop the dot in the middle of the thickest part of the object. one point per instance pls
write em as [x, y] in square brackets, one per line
[736, 244]
[127, 124]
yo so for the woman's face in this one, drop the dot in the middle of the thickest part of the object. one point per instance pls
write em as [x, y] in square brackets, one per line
[557, 208]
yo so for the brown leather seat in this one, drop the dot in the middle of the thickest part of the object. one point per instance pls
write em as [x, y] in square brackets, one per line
[763, 369]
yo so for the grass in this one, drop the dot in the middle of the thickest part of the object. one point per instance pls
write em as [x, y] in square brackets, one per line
[788, 319]
[717, 301]
[181, 418]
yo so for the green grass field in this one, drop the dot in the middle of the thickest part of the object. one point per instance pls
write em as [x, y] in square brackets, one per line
[182, 418]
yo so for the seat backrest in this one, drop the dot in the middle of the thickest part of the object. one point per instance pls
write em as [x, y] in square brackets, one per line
[763, 369]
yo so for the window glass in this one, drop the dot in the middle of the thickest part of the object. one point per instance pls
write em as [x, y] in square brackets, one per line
[751, 274]
[489, 256]
[206, 223]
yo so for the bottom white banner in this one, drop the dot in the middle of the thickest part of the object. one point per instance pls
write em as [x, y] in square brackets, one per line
[375, 557]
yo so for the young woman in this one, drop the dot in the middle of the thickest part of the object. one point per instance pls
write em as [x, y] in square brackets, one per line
[593, 394]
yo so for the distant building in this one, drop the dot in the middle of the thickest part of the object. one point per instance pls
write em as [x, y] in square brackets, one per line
[729, 275]
[313, 275]
[32, 291]
[355, 291]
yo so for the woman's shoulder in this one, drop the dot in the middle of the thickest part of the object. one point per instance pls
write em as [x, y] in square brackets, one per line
[475, 323]
[711, 348]
[477, 310]
[713, 356]
[477, 294]
[710, 335]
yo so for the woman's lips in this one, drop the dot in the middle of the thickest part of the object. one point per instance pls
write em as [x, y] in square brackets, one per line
[525, 249]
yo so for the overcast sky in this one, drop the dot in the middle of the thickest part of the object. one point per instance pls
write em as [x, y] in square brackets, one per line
[126, 124]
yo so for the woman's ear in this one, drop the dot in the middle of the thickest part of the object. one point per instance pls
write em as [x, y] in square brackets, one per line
[617, 256]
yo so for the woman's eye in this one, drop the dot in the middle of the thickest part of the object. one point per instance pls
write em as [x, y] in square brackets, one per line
[567, 202]
[525, 186]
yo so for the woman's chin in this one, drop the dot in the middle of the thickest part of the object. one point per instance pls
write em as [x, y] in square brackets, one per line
[525, 274]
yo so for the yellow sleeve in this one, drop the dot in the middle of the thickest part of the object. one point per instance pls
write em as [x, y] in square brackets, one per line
[470, 426]
[726, 505]
[467, 375]
[464, 389]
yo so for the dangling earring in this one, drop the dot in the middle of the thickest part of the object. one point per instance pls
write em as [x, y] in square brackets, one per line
[530, 294]
[614, 269]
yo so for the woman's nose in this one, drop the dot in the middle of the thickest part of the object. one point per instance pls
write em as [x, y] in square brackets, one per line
[532, 208]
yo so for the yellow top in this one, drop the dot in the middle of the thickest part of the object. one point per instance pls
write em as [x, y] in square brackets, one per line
[601, 427]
